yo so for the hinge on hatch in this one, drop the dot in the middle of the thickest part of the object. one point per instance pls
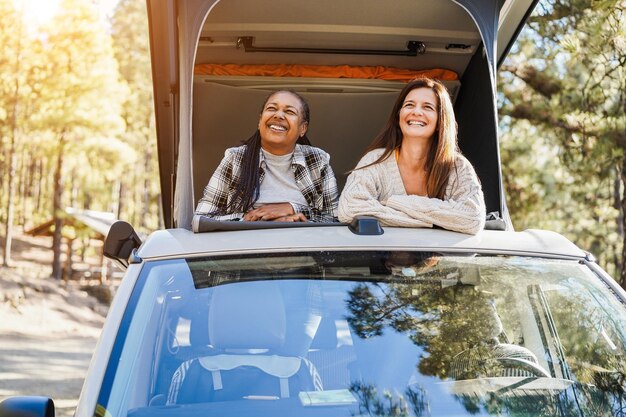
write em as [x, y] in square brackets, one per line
[413, 48]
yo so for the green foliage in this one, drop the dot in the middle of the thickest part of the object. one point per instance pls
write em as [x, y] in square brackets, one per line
[18, 102]
[76, 122]
[563, 118]
[132, 51]
[82, 95]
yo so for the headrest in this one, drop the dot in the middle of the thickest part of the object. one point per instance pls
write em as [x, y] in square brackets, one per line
[475, 315]
[247, 315]
[326, 335]
[493, 326]
[198, 335]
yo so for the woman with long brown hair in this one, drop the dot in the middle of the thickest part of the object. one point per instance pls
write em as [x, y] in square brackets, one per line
[413, 174]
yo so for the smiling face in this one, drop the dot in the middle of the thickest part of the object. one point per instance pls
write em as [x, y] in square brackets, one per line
[419, 114]
[281, 123]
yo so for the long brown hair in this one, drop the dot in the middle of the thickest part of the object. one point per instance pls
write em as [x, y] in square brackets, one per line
[443, 148]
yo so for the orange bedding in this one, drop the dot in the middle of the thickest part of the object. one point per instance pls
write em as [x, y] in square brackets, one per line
[324, 71]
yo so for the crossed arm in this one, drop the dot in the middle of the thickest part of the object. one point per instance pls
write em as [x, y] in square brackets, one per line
[463, 210]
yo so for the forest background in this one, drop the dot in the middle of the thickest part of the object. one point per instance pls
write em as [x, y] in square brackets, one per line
[77, 123]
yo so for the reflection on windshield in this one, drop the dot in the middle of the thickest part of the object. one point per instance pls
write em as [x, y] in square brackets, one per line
[371, 333]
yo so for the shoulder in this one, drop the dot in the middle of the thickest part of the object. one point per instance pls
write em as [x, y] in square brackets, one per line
[463, 166]
[371, 157]
[235, 151]
[312, 155]
[307, 150]
[234, 155]
[463, 174]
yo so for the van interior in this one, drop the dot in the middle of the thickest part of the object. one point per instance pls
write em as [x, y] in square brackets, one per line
[233, 53]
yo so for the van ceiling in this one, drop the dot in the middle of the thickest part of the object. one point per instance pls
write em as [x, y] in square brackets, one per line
[449, 34]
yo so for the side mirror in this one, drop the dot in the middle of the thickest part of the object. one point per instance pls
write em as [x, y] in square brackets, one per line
[120, 243]
[27, 407]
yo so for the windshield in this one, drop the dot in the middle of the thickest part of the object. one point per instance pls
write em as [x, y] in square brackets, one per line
[368, 334]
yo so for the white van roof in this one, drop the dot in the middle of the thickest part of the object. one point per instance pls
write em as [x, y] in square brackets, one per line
[174, 243]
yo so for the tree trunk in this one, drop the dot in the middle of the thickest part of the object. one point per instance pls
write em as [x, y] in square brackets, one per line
[27, 198]
[134, 200]
[69, 266]
[617, 205]
[57, 202]
[84, 242]
[39, 186]
[8, 225]
[622, 269]
[23, 190]
[121, 193]
[3, 175]
[145, 209]
[160, 212]
[622, 266]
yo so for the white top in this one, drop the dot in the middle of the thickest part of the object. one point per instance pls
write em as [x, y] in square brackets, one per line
[378, 191]
[279, 181]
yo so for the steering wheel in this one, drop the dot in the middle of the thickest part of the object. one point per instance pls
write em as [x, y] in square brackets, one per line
[525, 365]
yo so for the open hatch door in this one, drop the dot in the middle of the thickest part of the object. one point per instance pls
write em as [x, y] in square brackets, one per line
[199, 115]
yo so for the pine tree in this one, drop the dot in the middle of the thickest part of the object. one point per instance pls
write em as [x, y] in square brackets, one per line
[18, 101]
[564, 92]
[132, 50]
[82, 94]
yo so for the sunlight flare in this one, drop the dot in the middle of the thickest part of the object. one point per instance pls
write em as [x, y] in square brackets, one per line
[38, 11]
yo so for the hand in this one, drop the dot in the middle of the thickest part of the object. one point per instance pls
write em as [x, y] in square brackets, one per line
[271, 211]
[298, 217]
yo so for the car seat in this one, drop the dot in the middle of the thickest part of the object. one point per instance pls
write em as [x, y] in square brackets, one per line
[247, 326]
[331, 359]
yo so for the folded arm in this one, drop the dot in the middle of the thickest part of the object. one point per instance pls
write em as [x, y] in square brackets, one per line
[463, 211]
[360, 197]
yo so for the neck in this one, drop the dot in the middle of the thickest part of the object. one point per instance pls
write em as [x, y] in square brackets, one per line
[414, 152]
[278, 150]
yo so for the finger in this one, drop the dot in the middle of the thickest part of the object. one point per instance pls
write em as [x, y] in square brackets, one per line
[270, 216]
[284, 219]
[251, 217]
[259, 211]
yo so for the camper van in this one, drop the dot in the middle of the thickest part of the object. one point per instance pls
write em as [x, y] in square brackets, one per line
[361, 319]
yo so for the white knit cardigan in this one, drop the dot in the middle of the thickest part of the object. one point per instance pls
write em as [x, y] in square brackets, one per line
[378, 191]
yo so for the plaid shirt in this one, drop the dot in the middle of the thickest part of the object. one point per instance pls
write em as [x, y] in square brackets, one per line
[312, 171]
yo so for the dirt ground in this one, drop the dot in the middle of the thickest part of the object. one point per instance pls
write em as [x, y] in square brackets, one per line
[48, 329]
